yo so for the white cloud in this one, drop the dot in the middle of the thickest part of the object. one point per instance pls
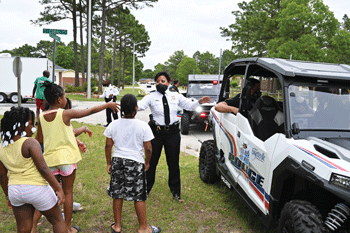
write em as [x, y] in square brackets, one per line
[188, 25]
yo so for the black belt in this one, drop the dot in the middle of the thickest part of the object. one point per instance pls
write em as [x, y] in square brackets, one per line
[169, 128]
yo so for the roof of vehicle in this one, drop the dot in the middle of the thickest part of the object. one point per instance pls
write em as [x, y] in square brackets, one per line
[299, 68]
[204, 77]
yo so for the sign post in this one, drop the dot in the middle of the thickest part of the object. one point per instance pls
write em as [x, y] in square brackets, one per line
[52, 33]
[17, 70]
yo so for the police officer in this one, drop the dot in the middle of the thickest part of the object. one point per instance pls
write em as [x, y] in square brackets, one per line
[175, 86]
[110, 93]
[165, 127]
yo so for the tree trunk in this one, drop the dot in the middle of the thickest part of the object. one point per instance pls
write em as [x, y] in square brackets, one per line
[102, 50]
[75, 43]
[114, 51]
[82, 44]
[120, 60]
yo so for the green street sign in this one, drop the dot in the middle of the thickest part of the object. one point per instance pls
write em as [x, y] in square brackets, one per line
[52, 35]
[55, 31]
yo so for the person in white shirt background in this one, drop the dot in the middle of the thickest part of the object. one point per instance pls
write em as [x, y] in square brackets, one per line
[110, 93]
[165, 126]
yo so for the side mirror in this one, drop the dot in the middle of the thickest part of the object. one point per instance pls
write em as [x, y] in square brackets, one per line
[295, 128]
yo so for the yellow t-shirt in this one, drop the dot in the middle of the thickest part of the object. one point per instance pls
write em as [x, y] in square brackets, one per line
[20, 170]
[60, 145]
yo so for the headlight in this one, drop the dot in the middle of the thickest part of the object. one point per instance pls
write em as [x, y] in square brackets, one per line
[199, 109]
[340, 180]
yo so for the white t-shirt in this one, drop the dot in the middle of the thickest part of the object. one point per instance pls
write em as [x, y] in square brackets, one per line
[128, 136]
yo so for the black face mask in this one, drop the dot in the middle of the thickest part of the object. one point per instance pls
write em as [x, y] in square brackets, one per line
[161, 88]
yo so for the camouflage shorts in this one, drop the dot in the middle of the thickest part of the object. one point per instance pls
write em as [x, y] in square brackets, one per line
[128, 180]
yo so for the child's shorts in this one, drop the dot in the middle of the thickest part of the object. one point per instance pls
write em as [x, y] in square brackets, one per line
[128, 180]
[63, 170]
[42, 197]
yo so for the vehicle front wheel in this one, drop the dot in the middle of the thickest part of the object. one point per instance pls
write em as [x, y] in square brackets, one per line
[207, 167]
[3, 98]
[300, 216]
[185, 123]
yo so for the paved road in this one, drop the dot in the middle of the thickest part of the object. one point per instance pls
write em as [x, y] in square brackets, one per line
[189, 143]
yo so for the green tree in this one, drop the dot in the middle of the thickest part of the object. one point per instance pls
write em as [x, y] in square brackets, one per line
[172, 63]
[207, 62]
[255, 25]
[305, 28]
[159, 68]
[65, 57]
[226, 58]
[339, 51]
[45, 47]
[57, 10]
[346, 23]
[187, 66]
[25, 51]
[106, 7]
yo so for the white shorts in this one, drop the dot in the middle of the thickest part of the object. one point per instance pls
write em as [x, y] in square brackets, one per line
[42, 197]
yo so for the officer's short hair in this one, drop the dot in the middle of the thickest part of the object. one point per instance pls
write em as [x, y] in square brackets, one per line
[166, 74]
[175, 81]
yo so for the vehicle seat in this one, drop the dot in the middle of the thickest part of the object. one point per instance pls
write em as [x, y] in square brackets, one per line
[266, 118]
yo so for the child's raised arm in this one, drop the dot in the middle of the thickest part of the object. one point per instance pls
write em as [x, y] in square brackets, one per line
[31, 148]
[83, 129]
[79, 113]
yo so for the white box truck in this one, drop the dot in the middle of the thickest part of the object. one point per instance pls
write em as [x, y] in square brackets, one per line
[31, 69]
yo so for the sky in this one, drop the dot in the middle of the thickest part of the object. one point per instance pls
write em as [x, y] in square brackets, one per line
[188, 25]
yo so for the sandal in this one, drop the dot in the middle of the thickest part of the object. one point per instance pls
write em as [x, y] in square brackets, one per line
[156, 229]
[113, 231]
[77, 228]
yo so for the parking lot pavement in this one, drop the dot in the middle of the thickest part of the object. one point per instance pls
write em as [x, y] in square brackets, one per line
[190, 143]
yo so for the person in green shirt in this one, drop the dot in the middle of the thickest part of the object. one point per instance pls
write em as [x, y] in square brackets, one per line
[39, 90]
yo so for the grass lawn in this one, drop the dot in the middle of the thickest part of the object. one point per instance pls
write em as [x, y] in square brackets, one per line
[206, 208]
[82, 96]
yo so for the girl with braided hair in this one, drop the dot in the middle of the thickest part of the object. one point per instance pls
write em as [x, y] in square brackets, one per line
[130, 137]
[61, 149]
[25, 178]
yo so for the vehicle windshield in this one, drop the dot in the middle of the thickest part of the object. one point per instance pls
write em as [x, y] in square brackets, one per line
[316, 107]
[203, 89]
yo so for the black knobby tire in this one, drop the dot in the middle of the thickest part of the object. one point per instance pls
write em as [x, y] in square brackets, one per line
[185, 123]
[207, 167]
[3, 98]
[300, 216]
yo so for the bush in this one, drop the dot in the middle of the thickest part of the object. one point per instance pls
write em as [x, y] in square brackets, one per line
[73, 89]
[94, 83]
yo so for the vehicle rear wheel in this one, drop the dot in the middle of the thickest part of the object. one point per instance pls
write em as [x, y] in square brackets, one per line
[185, 123]
[14, 98]
[300, 216]
[207, 167]
[3, 98]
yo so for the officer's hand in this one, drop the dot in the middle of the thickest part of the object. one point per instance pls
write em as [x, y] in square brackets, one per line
[205, 99]
[111, 95]
[109, 169]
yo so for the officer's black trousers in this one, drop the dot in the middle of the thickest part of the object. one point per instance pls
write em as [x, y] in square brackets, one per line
[171, 142]
[110, 112]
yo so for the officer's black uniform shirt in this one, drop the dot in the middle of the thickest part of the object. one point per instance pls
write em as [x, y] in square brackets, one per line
[234, 102]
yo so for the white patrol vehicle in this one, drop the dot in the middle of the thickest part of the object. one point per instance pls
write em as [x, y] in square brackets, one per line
[200, 85]
[288, 159]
